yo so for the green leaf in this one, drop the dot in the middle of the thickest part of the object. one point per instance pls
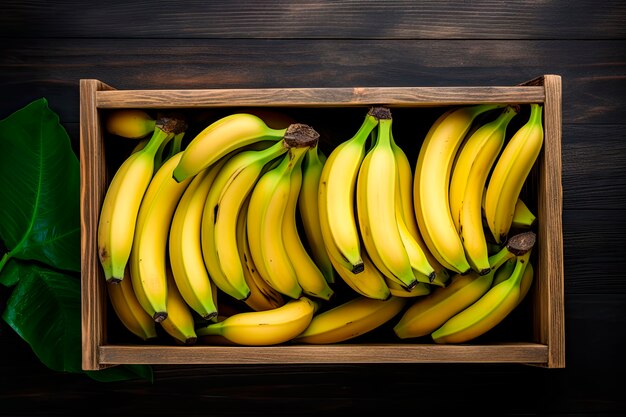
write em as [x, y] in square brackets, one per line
[10, 274]
[123, 372]
[39, 189]
[44, 309]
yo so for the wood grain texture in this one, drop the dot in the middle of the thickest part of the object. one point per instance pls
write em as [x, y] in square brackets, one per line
[594, 87]
[315, 19]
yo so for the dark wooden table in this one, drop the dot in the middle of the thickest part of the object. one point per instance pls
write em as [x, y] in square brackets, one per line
[46, 47]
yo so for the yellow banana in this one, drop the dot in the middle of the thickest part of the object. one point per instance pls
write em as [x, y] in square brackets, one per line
[308, 274]
[523, 217]
[264, 328]
[128, 309]
[118, 214]
[308, 209]
[432, 181]
[179, 322]
[149, 252]
[475, 159]
[337, 194]
[233, 184]
[398, 290]
[427, 314]
[185, 247]
[527, 279]
[130, 123]
[221, 137]
[262, 295]
[350, 319]
[486, 312]
[266, 211]
[510, 172]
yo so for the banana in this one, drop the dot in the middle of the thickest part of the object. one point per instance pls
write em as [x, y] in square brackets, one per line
[264, 328]
[128, 309]
[475, 159]
[130, 123]
[233, 184]
[527, 279]
[149, 252]
[337, 193]
[308, 209]
[118, 214]
[267, 207]
[523, 217]
[308, 274]
[221, 137]
[179, 322]
[486, 312]
[510, 172]
[350, 319]
[262, 295]
[398, 290]
[432, 180]
[185, 248]
[427, 314]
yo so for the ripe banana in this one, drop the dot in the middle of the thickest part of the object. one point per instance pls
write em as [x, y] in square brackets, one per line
[262, 295]
[486, 312]
[179, 322]
[265, 328]
[427, 314]
[337, 194]
[475, 159]
[130, 123]
[128, 309]
[221, 137]
[185, 248]
[432, 181]
[507, 270]
[149, 252]
[118, 214]
[398, 290]
[376, 200]
[523, 217]
[308, 209]
[510, 172]
[350, 319]
[308, 274]
[234, 182]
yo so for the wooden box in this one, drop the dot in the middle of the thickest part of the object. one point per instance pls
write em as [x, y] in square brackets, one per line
[543, 345]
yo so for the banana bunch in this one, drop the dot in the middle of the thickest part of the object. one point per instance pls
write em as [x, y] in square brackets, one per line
[314, 247]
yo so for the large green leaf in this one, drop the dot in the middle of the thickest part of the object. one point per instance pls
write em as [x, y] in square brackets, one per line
[39, 189]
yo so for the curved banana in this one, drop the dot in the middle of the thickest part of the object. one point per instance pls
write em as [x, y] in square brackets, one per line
[427, 314]
[486, 312]
[179, 322]
[262, 295]
[221, 137]
[523, 217]
[308, 274]
[527, 279]
[231, 187]
[337, 194]
[432, 180]
[510, 172]
[475, 159]
[308, 209]
[376, 207]
[265, 328]
[149, 252]
[129, 123]
[350, 319]
[185, 247]
[128, 309]
[266, 211]
[118, 214]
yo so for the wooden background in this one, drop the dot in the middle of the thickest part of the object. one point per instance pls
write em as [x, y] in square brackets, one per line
[46, 47]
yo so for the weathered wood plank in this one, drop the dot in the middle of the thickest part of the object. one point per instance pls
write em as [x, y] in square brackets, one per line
[314, 19]
[594, 88]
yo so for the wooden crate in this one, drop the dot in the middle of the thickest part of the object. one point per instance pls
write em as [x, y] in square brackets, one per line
[545, 346]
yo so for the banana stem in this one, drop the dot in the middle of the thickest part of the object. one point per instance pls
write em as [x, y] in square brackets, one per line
[210, 330]
[4, 260]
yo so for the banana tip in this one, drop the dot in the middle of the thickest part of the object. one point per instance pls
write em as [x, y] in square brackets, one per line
[159, 316]
[358, 268]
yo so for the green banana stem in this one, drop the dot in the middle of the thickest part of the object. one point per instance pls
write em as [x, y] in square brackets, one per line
[177, 144]
[5, 259]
